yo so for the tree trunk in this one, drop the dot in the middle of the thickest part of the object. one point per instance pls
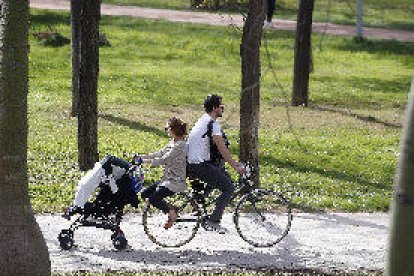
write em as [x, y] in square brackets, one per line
[401, 239]
[23, 250]
[359, 33]
[75, 12]
[300, 89]
[250, 93]
[88, 85]
[216, 5]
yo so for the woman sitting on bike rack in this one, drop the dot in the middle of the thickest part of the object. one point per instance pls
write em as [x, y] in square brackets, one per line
[173, 158]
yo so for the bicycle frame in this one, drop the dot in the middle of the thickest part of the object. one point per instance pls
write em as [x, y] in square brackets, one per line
[192, 207]
[201, 192]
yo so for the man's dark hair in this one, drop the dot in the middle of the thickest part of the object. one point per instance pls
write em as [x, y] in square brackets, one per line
[211, 102]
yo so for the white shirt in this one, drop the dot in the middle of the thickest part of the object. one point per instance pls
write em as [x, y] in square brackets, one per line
[199, 146]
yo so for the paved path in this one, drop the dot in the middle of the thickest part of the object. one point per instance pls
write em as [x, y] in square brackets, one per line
[225, 20]
[338, 242]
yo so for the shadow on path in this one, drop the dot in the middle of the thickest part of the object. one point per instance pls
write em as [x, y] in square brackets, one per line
[186, 258]
[340, 221]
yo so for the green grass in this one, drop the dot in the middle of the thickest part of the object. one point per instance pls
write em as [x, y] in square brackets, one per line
[396, 14]
[339, 154]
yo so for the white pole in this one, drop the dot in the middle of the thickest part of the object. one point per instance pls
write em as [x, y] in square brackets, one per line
[359, 35]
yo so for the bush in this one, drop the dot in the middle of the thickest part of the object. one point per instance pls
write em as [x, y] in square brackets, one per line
[51, 38]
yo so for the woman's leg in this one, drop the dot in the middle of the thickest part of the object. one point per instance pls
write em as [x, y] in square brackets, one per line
[147, 192]
[156, 199]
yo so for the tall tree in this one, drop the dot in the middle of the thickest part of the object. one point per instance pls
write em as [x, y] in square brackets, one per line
[250, 92]
[401, 241]
[23, 250]
[217, 4]
[359, 32]
[88, 84]
[302, 58]
[75, 14]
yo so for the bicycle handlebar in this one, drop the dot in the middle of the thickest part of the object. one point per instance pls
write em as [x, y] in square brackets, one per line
[249, 171]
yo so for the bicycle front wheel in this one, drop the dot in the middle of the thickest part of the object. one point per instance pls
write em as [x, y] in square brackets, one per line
[262, 217]
[183, 230]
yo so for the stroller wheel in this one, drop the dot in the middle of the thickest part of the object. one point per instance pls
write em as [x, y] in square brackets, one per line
[119, 242]
[65, 240]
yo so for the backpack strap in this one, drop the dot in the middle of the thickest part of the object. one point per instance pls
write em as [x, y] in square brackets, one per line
[209, 131]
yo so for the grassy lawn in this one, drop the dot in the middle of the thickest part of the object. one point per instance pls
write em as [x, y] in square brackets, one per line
[396, 14]
[339, 154]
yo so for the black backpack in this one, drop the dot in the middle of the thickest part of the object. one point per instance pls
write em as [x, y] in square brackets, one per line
[215, 156]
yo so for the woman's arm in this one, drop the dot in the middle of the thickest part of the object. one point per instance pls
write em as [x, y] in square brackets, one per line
[155, 154]
[177, 151]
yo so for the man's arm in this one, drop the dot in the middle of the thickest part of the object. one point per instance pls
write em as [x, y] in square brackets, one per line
[219, 141]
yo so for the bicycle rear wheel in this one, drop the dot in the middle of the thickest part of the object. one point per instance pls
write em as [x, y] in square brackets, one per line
[262, 217]
[184, 228]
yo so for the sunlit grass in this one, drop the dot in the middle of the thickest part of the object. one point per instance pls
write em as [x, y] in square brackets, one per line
[338, 154]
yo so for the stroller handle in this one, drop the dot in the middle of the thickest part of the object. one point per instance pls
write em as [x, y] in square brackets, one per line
[136, 159]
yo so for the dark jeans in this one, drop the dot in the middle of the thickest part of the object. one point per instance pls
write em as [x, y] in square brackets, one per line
[270, 9]
[156, 195]
[218, 178]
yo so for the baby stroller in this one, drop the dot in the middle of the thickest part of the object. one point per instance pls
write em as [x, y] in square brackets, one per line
[106, 210]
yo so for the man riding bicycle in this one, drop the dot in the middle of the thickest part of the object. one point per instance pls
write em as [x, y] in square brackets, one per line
[207, 151]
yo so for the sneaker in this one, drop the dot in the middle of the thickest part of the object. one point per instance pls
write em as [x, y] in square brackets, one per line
[268, 25]
[70, 211]
[214, 226]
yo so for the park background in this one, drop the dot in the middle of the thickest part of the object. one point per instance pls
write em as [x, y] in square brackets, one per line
[338, 154]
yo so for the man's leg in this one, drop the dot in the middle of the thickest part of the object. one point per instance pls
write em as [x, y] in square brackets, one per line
[270, 10]
[225, 185]
[219, 179]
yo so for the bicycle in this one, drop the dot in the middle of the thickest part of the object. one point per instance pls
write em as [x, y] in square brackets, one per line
[262, 216]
